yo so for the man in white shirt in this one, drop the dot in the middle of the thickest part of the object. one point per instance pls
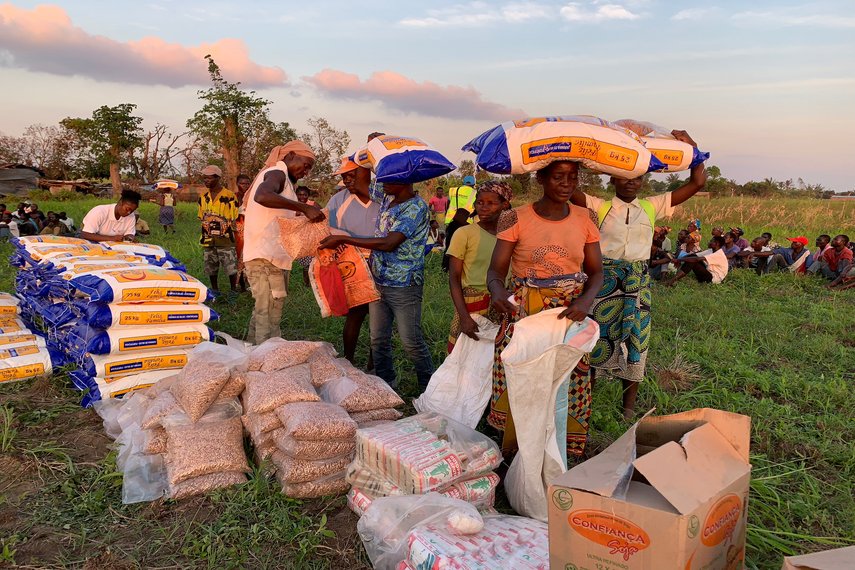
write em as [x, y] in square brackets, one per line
[265, 261]
[627, 224]
[708, 266]
[112, 222]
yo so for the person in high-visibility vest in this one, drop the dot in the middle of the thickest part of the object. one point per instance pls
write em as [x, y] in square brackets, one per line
[461, 197]
[622, 307]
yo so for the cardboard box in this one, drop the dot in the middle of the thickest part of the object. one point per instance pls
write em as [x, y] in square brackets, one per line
[837, 559]
[671, 493]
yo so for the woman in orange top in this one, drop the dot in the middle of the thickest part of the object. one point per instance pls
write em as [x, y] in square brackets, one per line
[553, 250]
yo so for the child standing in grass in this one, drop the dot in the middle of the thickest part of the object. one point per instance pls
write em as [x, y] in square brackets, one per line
[469, 253]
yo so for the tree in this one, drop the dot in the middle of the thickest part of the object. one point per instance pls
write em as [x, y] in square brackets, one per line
[466, 168]
[108, 136]
[11, 149]
[153, 156]
[591, 182]
[262, 135]
[329, 145]
[225, 122]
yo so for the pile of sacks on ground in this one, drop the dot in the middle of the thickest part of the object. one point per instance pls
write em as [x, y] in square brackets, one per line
[125, 315]
[23, 354]
[303, 407]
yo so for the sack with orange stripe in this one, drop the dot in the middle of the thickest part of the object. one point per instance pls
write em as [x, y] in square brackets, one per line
[144, 283]
[81, 339]
[518, 147]
[27, 361]
[676, 155]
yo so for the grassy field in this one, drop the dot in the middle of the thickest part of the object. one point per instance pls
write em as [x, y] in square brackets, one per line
[777, 348]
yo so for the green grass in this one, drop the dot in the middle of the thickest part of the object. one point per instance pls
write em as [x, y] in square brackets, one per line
[777, 348]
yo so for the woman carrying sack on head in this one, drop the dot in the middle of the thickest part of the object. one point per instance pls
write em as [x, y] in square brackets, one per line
[552, 248]
[627, 224]
[470, 250]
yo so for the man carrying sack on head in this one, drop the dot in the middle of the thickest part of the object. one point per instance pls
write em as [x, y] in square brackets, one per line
[266, 263]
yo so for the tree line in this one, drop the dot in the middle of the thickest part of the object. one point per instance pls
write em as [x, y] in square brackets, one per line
[233, 128]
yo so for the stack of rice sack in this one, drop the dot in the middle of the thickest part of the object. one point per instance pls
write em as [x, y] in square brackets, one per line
[423, 453]
[125, 314]
[23, 354]
[185, 435]
[309, 438]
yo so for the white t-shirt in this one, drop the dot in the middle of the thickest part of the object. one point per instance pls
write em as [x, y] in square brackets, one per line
[717, 264]
[261, 224]
[102, 220]
[13, 228]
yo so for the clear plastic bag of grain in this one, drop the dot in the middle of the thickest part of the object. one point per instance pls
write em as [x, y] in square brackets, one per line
[214, 444]
[381, 415]
[154, 441]
[199, 386]
[163, 405]
[360, 392]
[278, 353]
[325, 367]
[333, 484]
[265, 391]
[260, 425]
[234, 387]
[308, 449]
[292, 470]
[205, 484]
[316, 421]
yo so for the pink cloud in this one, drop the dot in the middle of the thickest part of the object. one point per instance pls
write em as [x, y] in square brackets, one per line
[404, 94]
[45, 39]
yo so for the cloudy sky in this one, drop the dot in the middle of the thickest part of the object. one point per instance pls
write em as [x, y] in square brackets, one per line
[767, 87]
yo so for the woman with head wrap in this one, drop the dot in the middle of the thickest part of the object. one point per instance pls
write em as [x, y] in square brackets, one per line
[553, 251]
[266, 264]
[469, 252]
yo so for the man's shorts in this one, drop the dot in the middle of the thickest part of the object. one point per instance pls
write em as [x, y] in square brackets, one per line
[215, 257]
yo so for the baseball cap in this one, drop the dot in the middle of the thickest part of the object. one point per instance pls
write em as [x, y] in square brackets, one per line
[346, 166]
[801, 239]
[212, 170]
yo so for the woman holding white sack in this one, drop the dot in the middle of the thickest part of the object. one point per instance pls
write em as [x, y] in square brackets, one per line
[553, 250]
[626, 226]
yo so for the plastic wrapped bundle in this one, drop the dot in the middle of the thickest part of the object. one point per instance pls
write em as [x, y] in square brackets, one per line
[423, 453]
[518, 147]
[402, 160]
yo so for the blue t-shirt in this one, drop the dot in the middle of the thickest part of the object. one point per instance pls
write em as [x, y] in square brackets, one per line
[348, 213]
[405, 265]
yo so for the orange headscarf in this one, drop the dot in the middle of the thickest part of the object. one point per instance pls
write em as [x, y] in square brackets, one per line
[279, 152]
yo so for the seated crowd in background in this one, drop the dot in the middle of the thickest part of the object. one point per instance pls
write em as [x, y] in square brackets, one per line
[832, 258]
[28, 220]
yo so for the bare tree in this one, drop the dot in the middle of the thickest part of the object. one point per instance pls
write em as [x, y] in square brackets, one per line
[153, 157]
[329, 145]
